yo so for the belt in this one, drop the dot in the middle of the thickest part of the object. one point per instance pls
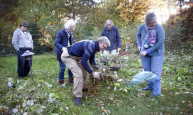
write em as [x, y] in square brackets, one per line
[24, 48]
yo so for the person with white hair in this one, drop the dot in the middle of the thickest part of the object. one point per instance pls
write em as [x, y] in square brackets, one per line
[76, 58]
[112, 33]
[64, 38]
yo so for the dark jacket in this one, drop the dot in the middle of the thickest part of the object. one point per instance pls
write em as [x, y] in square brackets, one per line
[113, 36]
[85, 49]
[62, 41]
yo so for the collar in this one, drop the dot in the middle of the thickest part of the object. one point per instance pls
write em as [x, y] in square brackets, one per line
[23, 30]
[113, 27]
[97, 46]
[150, 28]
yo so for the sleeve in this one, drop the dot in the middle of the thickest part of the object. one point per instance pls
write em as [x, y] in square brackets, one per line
[89, 50]
[160, 40]
[118, 38]
[138, 36]
[103, 32]
[92, 60]
[15, 40]
[58, 41]
[32, 41]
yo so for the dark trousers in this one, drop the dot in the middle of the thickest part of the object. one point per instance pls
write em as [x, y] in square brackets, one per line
[62, 68]
[24, 65]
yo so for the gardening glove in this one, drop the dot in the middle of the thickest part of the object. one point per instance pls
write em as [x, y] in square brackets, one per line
[96, 75]
[65, 52]
[64, 49]
[118, 50]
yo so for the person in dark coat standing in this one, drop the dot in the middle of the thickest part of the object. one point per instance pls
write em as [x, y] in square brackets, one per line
[64, 39]
[112, 33]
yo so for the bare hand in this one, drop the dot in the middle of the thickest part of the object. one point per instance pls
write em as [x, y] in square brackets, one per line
[139, 48]
[143, 53]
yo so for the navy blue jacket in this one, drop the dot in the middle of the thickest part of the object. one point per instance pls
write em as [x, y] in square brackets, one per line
[85, 49]
[113, 36]
[62, 41]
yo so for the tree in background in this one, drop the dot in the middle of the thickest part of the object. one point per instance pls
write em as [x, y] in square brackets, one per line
[8, 22]
[179, 31]
[132, 10]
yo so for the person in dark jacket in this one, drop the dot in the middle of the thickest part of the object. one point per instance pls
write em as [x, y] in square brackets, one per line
[64, 38]
[76, 58]
[22, 42]
[112, 33]
[150, 39]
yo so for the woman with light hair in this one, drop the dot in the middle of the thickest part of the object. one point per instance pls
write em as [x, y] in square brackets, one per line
[150, 39]
[64, 39]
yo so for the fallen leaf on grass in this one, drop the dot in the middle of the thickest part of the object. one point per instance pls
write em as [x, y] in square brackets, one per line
[106, 111]
[15, 110]
[183, 101]
[190, 105]
[117, 104]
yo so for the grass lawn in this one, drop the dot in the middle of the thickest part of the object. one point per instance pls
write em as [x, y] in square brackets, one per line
[43, 95]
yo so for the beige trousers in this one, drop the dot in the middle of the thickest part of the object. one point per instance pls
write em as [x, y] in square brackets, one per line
[79, 73]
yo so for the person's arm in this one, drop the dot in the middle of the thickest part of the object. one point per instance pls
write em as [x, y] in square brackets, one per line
[118, 38]
[88, 55]
[84, 62]
[32, 42]
[15, 40]
[138, 36]
[160, 40]
[58, 41]
[103, 32]
[92, 60]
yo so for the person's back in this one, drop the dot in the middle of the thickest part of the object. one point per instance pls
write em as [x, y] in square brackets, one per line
[79, 48]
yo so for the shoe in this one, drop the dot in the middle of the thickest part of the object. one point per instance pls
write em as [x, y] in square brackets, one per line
[85, 89]
[61, 82]
[77, 101]
[71, 80]
[147, 88]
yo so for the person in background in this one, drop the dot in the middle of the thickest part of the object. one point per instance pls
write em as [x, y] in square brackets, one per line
[22, 41]
[150, 39]
[64, 39]
[112, 33]
[76, 58]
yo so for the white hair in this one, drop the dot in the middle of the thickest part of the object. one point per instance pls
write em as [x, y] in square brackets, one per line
[70, 24]
[104, 40]
[108, 21]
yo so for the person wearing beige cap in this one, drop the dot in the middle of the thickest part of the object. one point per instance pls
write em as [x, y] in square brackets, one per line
[22, 41]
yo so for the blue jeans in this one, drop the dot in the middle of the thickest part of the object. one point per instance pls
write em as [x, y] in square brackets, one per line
[153, 64]
[62, 68]
[24, 65]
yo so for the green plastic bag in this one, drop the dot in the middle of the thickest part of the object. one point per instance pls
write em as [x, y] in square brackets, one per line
[140, 77]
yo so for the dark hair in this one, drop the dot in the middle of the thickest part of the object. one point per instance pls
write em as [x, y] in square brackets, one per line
[149, 17]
